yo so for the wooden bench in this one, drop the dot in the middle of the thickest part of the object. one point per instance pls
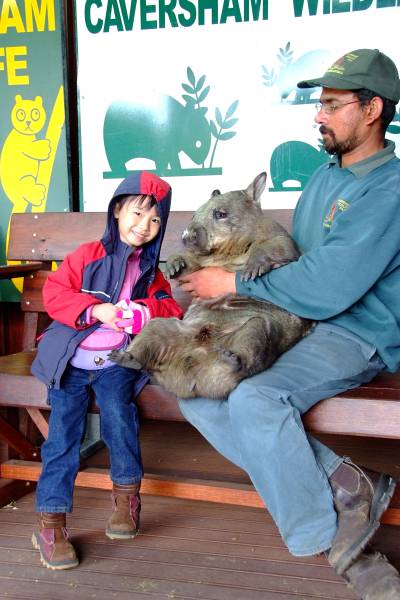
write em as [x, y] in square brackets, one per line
[36, 240]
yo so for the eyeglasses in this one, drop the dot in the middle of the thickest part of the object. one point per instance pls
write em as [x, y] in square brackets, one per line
[329, 108]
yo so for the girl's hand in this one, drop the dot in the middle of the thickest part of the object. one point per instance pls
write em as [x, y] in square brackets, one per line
[107, 314]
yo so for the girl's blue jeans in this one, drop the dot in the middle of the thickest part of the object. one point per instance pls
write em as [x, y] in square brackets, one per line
[259, 428]
[119, 428]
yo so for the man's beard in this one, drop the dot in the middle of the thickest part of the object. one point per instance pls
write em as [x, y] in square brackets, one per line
[332, 146]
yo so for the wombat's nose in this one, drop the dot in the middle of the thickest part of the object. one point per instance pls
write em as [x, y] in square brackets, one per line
[189, 235]
[195, 238]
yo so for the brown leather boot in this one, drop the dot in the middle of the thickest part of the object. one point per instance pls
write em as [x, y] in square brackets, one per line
[372, 577]
[56, 551]
[124, 521]
[360, 496]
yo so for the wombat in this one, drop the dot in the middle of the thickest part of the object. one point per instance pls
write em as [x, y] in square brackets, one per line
[223, 340]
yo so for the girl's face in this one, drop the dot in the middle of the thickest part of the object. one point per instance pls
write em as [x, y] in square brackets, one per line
[137, 223]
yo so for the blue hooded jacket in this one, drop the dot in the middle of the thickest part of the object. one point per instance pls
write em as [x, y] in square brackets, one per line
[95, 273]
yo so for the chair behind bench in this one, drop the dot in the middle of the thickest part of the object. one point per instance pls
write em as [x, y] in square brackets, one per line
[37, 241]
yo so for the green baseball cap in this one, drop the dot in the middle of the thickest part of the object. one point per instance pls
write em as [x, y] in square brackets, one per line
[361, 69]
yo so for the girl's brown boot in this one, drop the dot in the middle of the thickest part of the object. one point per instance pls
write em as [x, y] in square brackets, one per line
[56, 551]
[124, 521]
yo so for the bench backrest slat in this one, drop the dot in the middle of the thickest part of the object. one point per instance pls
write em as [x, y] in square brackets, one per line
[51, 236]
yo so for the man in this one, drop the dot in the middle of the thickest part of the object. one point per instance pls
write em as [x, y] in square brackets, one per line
[348, 280]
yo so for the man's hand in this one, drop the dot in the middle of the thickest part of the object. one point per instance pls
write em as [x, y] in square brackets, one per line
[209, 282]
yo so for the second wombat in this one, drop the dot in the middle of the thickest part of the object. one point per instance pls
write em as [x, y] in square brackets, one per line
[223, 340]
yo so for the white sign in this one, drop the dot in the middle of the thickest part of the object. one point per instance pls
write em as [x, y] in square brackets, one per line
[204, 93]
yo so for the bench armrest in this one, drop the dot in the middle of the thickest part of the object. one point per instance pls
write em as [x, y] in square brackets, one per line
[11, 271]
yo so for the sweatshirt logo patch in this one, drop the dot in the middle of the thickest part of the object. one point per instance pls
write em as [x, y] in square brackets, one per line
[161, 295]
[338, 205]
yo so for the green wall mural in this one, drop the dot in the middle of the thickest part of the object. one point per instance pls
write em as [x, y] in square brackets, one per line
[294, 162]
[205, 93]
[290, 70]
[33, 148]
[159, 131]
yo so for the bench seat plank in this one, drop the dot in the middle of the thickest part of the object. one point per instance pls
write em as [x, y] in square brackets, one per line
[371, 410]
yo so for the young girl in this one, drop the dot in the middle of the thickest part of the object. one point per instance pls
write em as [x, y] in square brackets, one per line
[86, 297]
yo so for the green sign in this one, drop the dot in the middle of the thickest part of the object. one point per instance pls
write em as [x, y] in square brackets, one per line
[33, 148]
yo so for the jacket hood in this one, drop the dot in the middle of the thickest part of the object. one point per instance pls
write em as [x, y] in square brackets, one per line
[140, 182]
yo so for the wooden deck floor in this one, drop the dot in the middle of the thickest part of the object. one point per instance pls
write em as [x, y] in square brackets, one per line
[186, 550]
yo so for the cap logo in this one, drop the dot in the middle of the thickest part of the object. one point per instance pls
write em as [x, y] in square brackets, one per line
[339, 67]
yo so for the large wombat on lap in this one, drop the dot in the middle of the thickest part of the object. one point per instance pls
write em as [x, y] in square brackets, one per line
[223, 340]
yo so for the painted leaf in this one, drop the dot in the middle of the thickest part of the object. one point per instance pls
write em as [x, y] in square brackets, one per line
[218, 117]
[228, 123]
[204, 94]
[214, 129]
[200, 83]
[232, 108]
[191, 77]
[188, 88]
[227, 136]
[393, 129]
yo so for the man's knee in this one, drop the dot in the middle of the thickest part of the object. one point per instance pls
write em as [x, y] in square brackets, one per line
[255, 393]
[255, 407]
[199, 409]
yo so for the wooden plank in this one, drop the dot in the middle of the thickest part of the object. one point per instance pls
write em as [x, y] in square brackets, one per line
[32, 297]
[11, 271]
[190, 489]
[355, 416]
[185, 549]
[11, 490]
[17, 441]
[345, 414]
[39, 421]
[42, 236]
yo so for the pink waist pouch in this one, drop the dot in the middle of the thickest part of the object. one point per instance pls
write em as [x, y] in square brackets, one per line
[93, 352]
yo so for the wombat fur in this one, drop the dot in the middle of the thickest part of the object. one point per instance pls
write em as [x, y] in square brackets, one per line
[222, 340]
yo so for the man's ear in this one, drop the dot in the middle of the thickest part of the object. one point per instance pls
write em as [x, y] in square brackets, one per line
[374, 109]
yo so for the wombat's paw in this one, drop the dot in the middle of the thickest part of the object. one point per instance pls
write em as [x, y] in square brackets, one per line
[231, 357]
[174, 266]
[258, 264]
[124, 359]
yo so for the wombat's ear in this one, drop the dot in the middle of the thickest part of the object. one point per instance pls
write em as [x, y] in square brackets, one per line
[257, 187]
[216, 193]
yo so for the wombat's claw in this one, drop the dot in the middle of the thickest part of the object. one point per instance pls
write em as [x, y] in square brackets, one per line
[231, 357]
[174, 268]
[256, 271]
[250, 274]
[115, 355]
[124, 359]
